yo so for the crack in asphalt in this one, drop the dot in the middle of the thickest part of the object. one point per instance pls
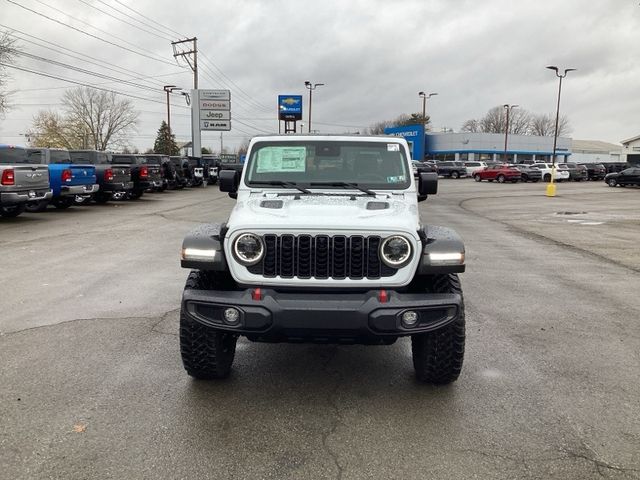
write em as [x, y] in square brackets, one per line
[163, 317]
[337, 419]
[537, 236]
[591, 455]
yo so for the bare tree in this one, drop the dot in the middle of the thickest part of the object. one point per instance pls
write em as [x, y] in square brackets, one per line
[471, 126]
[102, 116]
[401, 120]
[243, 147]
[7, 54]
[50, 130]
[544, 125]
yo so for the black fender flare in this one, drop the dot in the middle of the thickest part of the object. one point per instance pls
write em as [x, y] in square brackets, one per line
[438, 239]
[208, 237]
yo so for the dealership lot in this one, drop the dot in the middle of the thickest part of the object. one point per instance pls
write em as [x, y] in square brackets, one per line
[93, 384]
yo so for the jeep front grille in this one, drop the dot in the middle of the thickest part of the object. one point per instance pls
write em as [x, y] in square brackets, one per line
[322, 257]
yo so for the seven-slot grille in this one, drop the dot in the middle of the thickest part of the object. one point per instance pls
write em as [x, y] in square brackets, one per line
[322, 257]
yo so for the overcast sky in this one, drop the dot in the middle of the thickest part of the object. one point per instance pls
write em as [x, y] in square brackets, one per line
[373, 56]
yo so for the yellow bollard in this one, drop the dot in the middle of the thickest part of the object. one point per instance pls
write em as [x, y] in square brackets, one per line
[551, 190]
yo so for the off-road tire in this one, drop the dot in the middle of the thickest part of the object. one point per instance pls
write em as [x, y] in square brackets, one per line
[136, 194]
[455, 174]
[438, 355]
[12, 211]
[207, 353]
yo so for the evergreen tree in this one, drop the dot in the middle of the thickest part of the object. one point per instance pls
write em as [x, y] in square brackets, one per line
[165, 142]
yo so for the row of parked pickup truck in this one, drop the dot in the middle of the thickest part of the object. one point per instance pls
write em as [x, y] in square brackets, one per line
[33, 178]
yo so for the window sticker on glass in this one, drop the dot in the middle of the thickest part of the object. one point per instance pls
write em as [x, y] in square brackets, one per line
[393, 147]
[281, 159]
[396, 179]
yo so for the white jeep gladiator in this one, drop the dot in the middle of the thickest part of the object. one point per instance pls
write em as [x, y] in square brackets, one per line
[324, 245]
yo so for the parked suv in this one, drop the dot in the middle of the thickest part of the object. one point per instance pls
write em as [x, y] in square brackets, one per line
[473, 167]
[595, 171]
[629, 176]
[500, 173]
[577, 173]
[530, 173]
[112, 179]
[325, 245]
[452, 169]
[22, 179]
[545, 170]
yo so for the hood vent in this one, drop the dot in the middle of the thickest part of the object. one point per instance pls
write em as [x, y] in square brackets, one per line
[275, 204]
[377, 206]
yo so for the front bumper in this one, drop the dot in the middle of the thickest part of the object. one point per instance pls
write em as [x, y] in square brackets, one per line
[12, 198]
[321, 317]
[70, 190]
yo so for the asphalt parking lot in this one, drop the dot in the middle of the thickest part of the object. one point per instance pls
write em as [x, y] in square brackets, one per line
[93, 386]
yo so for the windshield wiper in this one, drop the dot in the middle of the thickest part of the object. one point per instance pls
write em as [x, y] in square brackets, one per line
[343, 185]
[280, 183]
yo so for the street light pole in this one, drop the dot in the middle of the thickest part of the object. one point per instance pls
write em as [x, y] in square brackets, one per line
[169, 89]
[311, 87]
[424, 97]
[508, 108]
[551, 188]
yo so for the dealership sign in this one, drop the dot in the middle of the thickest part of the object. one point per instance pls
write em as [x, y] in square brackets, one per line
[290, 107]
[415, 137]
[214, 110]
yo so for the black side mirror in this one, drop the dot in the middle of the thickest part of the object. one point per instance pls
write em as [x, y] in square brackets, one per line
[427, 184]
[229, 181]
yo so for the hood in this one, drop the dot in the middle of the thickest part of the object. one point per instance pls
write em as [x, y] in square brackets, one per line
[326, 213]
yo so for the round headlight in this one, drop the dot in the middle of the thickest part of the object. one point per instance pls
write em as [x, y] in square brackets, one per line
[248, 249]
[395, 251]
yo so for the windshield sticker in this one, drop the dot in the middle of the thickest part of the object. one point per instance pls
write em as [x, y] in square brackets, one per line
[281, 159]
[397, 179]
[393, 147]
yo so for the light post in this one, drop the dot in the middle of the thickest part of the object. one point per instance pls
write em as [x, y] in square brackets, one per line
[311, 87]
[508, 108]
[425, 97]
[551, 188]
[169, 89]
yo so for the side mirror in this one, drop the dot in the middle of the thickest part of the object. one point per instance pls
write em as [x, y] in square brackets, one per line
[427, 184]
[229, 181]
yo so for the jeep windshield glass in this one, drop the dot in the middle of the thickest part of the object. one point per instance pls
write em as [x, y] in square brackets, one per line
[308, 163]
[19, 155]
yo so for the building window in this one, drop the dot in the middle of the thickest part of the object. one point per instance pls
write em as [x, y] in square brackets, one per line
[443, 157]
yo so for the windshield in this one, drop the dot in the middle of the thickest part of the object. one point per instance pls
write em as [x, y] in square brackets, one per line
[19, 155]
[153, 160]
[379, 165]
[123, 159]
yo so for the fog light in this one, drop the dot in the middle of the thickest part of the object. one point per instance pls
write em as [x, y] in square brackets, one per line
[410, 318]
[231, 316]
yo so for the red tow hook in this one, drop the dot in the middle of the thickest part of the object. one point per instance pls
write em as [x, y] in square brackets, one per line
[383, 296]
[256, 294]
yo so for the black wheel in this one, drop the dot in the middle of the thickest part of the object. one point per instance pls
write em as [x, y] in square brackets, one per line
[477, 178]
[455, 174]
[612, 182]
[438, 355]
[525, 178]
[135, 194]
[535, 181]
[63, 202]
[11, 211]
[206, 353]
[39, 206]
[102, 197]
[500, 178]
[547, 177]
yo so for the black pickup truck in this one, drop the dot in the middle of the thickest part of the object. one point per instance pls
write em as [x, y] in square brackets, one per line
[160, 160]
[111, 178]
[176, 163]
[143, 175]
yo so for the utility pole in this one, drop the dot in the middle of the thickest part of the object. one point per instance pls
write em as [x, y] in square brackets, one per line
[192, 62]
[221, 144]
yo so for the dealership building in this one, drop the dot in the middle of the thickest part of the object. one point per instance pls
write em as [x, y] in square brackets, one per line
[490, 147]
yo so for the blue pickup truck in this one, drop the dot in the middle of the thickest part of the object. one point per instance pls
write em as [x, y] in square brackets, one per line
[66, 180]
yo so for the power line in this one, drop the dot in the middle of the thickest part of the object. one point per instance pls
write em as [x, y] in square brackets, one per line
[123, 21]
[132, 17]
[87, 33]
[11, 31]
[150, 19]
